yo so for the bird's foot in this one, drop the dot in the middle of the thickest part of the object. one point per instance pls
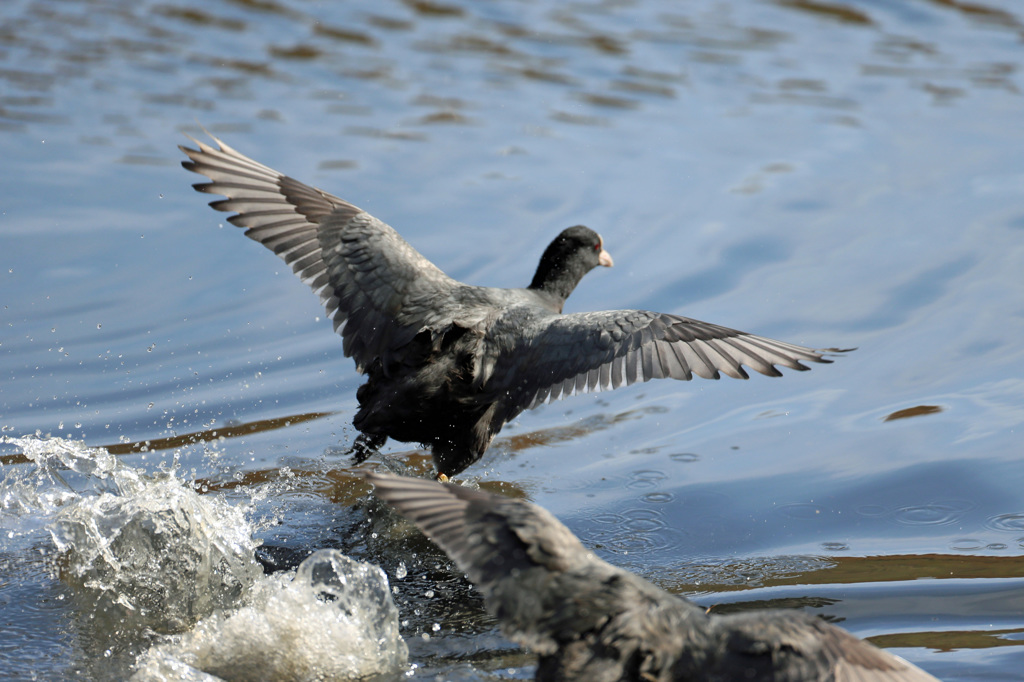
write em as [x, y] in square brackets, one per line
[365, 446]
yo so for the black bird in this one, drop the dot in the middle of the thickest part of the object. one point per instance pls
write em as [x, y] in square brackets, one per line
[593, 622]
[447, 363]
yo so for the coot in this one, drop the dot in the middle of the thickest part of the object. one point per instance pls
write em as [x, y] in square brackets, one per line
[447, 363]
[593, 622]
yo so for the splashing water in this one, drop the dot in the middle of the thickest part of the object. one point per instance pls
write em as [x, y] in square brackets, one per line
[146, 554]
[30, 496]
[147, 549]
[335, 619]
[160, 550]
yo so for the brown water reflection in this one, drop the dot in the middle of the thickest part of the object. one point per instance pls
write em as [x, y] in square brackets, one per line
[194, 438]
[551, 51]
[916, 411]
[842, 571]
[838, 12]
[951, 640]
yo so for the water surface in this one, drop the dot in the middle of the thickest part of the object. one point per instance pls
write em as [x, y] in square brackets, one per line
[841, 174]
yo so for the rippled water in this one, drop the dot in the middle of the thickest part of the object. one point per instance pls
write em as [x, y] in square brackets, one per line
[828, 173]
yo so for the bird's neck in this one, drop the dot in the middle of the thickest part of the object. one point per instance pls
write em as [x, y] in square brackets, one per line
[557, 279]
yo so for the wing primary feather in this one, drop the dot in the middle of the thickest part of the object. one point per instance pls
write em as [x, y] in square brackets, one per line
[728, 363]
[704, 368]
[678, 350]
[753, 360]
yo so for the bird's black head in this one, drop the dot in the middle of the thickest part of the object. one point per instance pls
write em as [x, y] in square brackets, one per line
[573, 253]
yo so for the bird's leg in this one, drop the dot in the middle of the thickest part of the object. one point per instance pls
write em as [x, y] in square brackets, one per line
[366, 444]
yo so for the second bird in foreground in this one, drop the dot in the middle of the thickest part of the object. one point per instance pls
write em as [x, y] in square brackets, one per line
[447, 363]
[593, 622]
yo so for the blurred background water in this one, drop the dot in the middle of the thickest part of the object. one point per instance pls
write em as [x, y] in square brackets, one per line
[823, 172]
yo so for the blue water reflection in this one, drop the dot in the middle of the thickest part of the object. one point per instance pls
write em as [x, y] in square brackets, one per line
[833, 174]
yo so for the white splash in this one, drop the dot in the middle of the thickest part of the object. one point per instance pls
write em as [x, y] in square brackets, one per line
[145, 548]
[333, 619]
[148, 554]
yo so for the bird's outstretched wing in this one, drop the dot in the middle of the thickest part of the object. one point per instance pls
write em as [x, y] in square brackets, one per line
[537, 358]
[798, 646]
[487, 536]
[379, 291]
[545, 588]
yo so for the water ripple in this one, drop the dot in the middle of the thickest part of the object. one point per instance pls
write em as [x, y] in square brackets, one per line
[934, 513]
[872, 510]
[641, 530]
[966, 545]
[645, 478]
[684, 457]
[1013, 522]
[800, 510]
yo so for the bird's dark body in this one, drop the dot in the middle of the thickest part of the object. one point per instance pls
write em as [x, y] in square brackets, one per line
[589, 621]
[433, 401]
[447, 363]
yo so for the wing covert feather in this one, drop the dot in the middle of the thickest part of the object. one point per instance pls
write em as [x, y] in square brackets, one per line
[552, 356]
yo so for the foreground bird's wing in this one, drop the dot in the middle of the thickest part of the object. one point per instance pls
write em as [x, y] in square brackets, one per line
[379, 291]
[487, 536]
[545, 588]
[798, 646]
[540, 358]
